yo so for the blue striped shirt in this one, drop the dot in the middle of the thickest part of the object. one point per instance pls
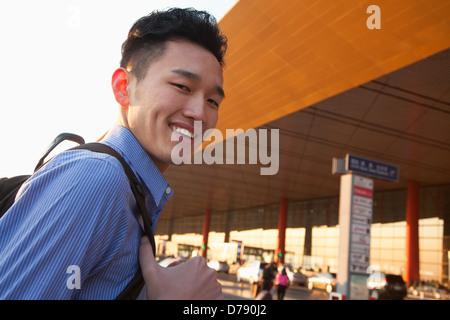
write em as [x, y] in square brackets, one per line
[72, 232]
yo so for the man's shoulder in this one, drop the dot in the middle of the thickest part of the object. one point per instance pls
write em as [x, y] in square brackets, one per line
[84, 167]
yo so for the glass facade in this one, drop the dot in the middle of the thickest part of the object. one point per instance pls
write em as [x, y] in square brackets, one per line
[312, 232]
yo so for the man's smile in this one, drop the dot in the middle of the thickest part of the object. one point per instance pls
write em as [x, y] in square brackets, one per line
[184, 130]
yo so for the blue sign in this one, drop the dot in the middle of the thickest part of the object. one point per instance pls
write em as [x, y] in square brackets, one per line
[371, 168]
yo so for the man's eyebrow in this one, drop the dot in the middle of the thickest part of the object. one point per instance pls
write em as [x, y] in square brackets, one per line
[196, 77]
[187, 74]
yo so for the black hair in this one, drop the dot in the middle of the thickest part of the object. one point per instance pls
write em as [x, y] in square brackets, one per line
[146, 38]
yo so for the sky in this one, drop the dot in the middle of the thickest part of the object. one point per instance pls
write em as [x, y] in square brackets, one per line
[57, 58]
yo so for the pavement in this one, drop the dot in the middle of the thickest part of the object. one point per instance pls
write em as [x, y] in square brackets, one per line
[233, 290]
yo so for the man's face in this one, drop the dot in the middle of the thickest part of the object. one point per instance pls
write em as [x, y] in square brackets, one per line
[182, 86]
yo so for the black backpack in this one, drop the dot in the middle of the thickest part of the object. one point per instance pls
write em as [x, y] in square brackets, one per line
[10, 186]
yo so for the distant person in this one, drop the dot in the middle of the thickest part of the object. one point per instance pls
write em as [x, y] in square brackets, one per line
[268, 276]
[72, 232]
[282, 283]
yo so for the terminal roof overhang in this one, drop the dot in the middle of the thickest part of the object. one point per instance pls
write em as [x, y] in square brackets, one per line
[313, 70]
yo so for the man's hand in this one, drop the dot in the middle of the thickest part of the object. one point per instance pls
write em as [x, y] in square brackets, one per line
[191, 280]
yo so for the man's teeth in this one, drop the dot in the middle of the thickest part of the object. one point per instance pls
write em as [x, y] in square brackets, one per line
[183, 132]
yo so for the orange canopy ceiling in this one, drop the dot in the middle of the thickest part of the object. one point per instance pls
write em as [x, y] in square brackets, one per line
[284, 56]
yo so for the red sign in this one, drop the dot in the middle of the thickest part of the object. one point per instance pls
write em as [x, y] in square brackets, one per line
[363, 192]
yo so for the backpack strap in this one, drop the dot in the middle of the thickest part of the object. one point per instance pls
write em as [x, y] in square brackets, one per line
[60, 138]
[134, 288]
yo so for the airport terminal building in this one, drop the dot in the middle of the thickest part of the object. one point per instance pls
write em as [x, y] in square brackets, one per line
[332, 84]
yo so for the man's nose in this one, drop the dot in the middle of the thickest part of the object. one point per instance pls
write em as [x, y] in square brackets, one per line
[196, 109]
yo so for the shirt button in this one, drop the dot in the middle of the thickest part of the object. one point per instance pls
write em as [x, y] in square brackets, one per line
[168, 190]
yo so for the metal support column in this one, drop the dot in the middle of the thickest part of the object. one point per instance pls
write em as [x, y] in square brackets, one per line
[412, 232]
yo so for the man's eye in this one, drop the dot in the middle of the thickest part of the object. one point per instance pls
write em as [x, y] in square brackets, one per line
[180, 86]
[213, 102]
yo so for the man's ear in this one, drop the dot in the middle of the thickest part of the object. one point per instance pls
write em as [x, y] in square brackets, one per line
[119, 83]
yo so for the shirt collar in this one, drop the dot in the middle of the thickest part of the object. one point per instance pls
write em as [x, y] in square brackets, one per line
[124, 142]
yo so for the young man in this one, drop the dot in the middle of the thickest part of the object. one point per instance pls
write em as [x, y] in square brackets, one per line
[72, 232]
